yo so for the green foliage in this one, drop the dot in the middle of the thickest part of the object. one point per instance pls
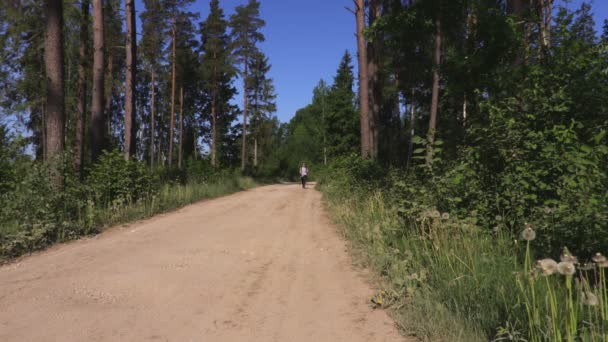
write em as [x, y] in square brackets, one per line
[447, 245]
[114, 179]
[35, 214]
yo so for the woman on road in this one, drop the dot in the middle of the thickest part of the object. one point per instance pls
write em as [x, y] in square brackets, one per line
[303, 174]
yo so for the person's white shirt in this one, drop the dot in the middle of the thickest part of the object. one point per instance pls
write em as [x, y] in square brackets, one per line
[303, 171]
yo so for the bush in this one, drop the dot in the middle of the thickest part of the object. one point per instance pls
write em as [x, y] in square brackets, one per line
[114, 179]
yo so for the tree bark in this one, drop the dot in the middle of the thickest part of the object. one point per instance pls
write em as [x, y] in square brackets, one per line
[245, 108]
[131, 79]
[435, 94]
[82, 90]
[363, 81]
[55, 102]
[255, 152]
[152, 118]
[97, 114]
[214, 115]
[181, 127]
[109, 78]
[375, 96]
[172, 124]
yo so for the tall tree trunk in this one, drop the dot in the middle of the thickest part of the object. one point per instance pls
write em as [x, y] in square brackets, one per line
[544, 8]
[55, 102]
[548, 19]
[97, 114]
[131, 79]
[245, 108]
[195, 143]
[410, 148]
[324, 129]
[214, 114]
[172, 124]
[82, 89]
[255, 152]
[181, 127]
[435, 94]
[363, 81]
[516, 8]
[375, 96]
[152, 118]
[109, 94]
[159, 159]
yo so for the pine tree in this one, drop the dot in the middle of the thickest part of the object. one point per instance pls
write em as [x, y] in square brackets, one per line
[246, 25]
[152, 54]
[217, 72]
[342, 124]
[97, 107]
[55, 105]
[82, 88]
[363, 81]
[262, 100]
[130, 86]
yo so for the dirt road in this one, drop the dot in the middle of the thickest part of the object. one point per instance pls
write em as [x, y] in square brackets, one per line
[261, 265]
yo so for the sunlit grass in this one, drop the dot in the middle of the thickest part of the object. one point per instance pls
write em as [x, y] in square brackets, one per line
[450, 280]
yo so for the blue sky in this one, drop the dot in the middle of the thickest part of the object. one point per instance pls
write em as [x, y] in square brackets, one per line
[305, 40]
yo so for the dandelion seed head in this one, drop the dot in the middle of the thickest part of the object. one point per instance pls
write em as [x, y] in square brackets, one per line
[528, 234]
[435, 214]
[566, 268]
[567, 256]
[546, 266]
[498, 218]
[445, 216]
[598, 257]
[589, 298]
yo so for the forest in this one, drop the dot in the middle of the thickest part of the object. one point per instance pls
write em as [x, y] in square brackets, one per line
[462, 150]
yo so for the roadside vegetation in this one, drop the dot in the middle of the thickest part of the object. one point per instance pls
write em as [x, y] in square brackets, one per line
[459, 268]
[34, 215]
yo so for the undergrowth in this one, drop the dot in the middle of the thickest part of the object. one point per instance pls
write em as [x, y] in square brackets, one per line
[34, 215]
[462, 276]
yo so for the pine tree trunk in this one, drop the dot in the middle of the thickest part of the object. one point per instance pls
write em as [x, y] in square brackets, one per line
[152, 118]
[435, 94]
[255, 152]
[97, 114]
[213, 131]
[245, 108]
[109, 93]
[172, 123]
[195, 143]
[374, 83]
[159, 159]
[214, 114]
[130, 131]
[82, 90]
[55, 102]
[544, 9]
[363, 81]
[181, 127]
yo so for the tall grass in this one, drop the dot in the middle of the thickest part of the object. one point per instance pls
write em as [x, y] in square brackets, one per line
[446, 279]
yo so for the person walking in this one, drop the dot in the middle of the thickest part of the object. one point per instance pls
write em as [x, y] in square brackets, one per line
[303, 174]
